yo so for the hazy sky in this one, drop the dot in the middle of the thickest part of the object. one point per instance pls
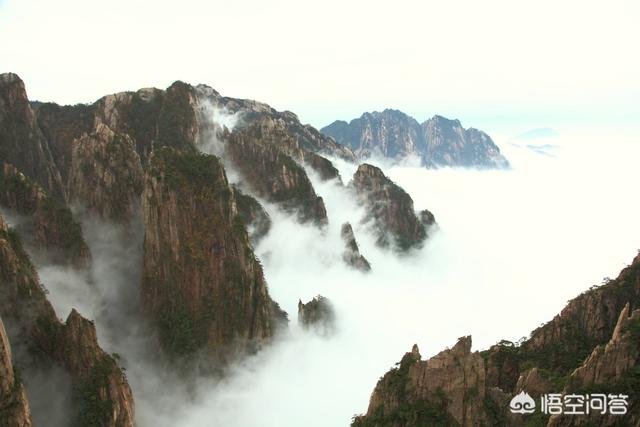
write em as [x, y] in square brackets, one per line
[492, 62]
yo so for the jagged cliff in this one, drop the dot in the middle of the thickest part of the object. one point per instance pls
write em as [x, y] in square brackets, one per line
[21, 141]
[436, 142]
[202, 284]
[14, 406]
[302, 138]
[254, 217]
[101, 394]
[351, 254]
[137, 156]
[592, 346]
[275, 176]
[46, 223]
[447, 389]
[317, 314]
[106, 174]
[390, 209]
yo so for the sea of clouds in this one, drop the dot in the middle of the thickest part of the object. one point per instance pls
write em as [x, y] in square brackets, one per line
[511, 248]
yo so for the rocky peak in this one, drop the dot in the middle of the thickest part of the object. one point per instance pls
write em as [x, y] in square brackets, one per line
[47, 224]
[593, 345]
[14, 407]
[273, 175]
[390, 134]
[197, 258]
[436, 142]
[253, 215]
[351, 254]
[389, 208]
[253, 113]
[106, 174]
[21, 142]
[101, 393]
[447, 389]
[318, 314]
[448, 143]
[415, 352]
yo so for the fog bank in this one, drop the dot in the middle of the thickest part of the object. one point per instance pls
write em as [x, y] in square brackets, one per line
[512, 247]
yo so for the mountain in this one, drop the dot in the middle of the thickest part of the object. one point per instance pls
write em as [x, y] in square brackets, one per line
[437, 142]
[101, 394]
[159, 160]
[592, 346]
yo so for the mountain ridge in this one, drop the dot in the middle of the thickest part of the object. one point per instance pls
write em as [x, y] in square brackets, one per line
[437, 142]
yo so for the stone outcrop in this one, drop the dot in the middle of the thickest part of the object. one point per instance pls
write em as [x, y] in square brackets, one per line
[299, 141]
[447, 389]
[436, 142]
[351, 254]
[390, 209]
[21, 141]
[254, 217]
[274, 176]
[60, 126]
[587, 321]
[14, 406]
[592, 346]
[317, 314]
[610, 368]
[46, 224]
[106, 175]
[101, 394]
[202, 284]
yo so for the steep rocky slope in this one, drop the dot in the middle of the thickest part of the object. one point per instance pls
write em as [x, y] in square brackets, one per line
[390, 209]
[351, 254]
[46, 224]
[106, 174]
[101, 394]
[21, 141]
[254, 217]
[14, 406]
[77, 149]
[272, 174]
[317, 314]
[592, 346]
[248, 112]
[436, 142]
[202, 284]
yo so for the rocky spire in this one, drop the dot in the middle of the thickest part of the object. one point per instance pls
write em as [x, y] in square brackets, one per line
[390, 209]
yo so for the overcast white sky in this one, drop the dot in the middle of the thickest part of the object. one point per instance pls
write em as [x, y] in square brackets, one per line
[490, 63]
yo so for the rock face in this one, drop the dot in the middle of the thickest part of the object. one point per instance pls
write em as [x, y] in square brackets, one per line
[202, 284]
[447, 389]
[592, 346]
[101, 394]
[390, 209]
[318, 314]
[21, 141]
[436, 142]
[47, 223]
[106, 175]
[351, 255]
[254, 217]
[303, 139]
[14, 407]
[611, 368]
[275, 176]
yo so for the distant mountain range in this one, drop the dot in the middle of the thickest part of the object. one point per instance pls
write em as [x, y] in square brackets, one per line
[540, 133]
[436, 142]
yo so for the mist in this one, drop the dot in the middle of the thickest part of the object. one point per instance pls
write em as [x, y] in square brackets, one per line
[511, 248]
